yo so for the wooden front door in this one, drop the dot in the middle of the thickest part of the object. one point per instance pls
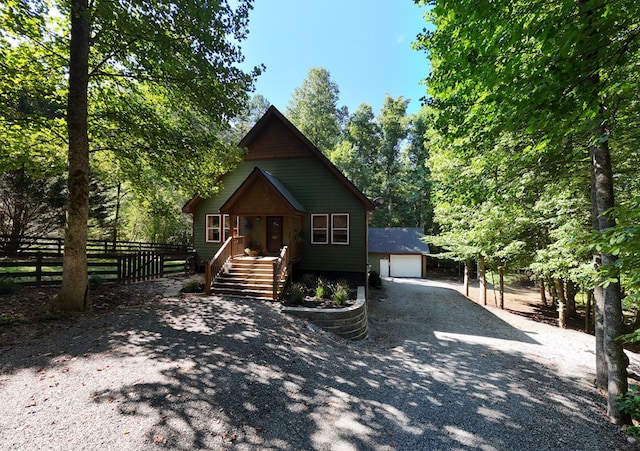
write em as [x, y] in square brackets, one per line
[274, 234]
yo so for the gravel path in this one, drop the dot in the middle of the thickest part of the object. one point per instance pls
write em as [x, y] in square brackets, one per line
[438, 373]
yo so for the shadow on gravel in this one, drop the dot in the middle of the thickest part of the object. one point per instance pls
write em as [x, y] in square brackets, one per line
[244, 378]
[237, 374]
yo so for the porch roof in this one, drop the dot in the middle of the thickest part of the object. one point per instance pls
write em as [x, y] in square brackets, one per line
[261, 194]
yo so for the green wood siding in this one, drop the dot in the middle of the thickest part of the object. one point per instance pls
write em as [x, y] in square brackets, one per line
[318, 191]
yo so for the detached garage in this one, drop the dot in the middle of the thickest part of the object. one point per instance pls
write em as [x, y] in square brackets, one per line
[398, 252]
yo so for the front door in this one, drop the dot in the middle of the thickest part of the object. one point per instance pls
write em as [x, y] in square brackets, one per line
[274, 234]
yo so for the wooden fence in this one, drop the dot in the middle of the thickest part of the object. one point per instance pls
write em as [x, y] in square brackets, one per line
[41, 264]
[31, 245]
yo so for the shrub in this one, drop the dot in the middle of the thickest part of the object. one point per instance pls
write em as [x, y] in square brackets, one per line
[374, 279]
[629, 403]
[8, 286]
[191, 286]
[297, 292]
[340, 295]
[341, 292]
[323, 289]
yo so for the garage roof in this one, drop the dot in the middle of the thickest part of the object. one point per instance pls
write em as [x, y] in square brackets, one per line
[397, 240]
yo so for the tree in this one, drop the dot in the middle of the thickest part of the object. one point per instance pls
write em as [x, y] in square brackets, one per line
[554, 74]
[358, 153]
[178, 53]
[313, 109]
[394, 126]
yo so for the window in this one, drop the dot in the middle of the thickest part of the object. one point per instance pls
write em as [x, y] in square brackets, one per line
[319, 229]
[227, 227]
[212, 229]
[340, 228]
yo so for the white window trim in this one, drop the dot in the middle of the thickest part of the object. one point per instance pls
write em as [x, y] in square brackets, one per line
[207, 228]
[346, 229]
[327, 229]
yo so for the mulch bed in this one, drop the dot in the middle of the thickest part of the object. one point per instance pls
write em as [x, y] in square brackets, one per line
[314, 302]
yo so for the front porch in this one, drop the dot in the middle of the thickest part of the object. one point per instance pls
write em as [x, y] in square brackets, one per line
[266, 220]
[232, 272]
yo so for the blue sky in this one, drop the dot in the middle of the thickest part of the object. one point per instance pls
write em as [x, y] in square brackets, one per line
[364, 44]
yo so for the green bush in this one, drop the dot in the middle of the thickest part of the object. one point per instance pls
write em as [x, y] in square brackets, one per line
[191, 286]
[629, 403]
[341, 292]
[323, 289]
[297, 291]
[8, 286]
[340, 296]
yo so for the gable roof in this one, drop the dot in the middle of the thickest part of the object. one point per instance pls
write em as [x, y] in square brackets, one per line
[273, 118]
[259, 190]
[397, 240]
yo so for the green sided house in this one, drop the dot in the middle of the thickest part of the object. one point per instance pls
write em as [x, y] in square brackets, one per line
[285, 210]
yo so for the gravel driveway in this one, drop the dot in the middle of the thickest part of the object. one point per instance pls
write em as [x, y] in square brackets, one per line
[437, 373]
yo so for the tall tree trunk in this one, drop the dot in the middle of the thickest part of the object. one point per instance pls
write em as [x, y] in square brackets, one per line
[608, 297]
[117, 217]
[467, 276]
[543, 294]
[587, 312]
[562, 311]
[501, 273]
[74, 294]
[482, 278]
[570, 297]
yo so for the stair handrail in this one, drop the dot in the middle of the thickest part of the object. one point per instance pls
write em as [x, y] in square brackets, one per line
[234, 245]
[280, 267]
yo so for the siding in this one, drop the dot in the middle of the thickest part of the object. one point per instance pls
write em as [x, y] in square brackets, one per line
[318, 191]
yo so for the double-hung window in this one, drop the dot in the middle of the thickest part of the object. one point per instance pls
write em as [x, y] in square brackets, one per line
[213, 229]
[320, 229]
[218, 228]
[340, 228]
[333, 228]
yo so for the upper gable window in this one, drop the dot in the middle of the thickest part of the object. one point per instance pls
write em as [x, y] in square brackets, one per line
[340, 228]
[320, 229]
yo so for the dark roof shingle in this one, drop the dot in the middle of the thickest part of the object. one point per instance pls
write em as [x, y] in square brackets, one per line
[397, 240]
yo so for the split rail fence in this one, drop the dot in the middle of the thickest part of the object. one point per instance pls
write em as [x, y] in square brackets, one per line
[38, 260]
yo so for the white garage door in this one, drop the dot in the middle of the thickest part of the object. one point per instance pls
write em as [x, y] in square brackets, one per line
[406, 266]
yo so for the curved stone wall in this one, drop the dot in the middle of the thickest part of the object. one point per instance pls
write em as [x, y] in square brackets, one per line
[349, 322]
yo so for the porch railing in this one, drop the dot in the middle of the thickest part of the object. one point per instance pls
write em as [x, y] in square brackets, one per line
[212, 269]
[281, 271]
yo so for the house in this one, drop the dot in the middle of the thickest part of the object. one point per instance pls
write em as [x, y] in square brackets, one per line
[398, 252]
[289, 207]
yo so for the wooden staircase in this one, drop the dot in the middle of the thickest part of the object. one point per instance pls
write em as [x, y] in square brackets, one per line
[249, 277]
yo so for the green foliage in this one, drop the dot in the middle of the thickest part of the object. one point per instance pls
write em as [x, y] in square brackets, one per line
[297, 292]
[323, 288]
[340, 292]
[629, 403]
[192, 286]
[8, 286]
[313, 109]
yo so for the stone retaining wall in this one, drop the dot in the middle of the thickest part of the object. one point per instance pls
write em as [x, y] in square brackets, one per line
[349, 322]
